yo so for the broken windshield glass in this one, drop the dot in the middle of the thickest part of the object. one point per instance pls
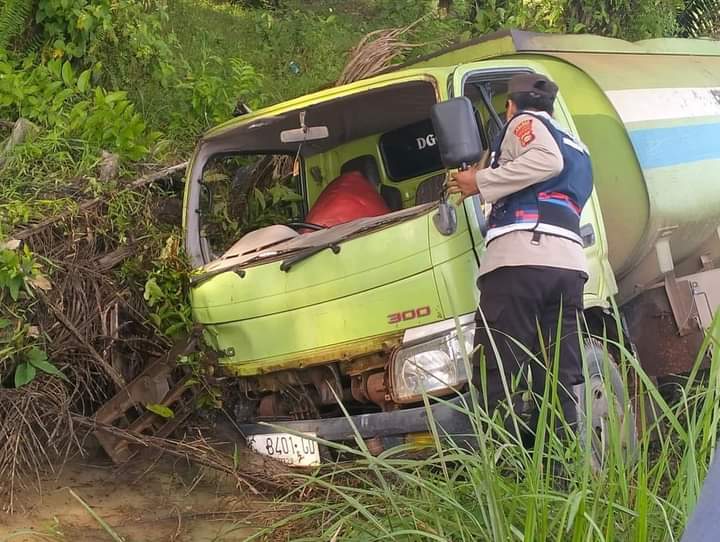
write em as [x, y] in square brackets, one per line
[244, 193]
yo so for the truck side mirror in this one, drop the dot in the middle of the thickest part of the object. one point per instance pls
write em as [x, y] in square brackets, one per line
[458, 139]
[457, 133]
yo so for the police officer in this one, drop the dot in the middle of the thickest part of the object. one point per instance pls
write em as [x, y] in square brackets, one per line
[533, 271]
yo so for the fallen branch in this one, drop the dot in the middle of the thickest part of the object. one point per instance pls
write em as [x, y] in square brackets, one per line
[141, 182]
[117, 256]
[201, 453]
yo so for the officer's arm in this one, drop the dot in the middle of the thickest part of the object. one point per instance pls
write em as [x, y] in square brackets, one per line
[529, 155]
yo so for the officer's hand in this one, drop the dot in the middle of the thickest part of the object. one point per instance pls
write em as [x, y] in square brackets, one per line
[463, 182]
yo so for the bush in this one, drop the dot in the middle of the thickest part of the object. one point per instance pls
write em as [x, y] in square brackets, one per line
[627, 19]
[52, 95]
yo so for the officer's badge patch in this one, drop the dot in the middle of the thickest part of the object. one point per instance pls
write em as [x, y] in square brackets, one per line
[524, 132]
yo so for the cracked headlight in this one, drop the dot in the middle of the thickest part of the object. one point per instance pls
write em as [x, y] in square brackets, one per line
[434, 367]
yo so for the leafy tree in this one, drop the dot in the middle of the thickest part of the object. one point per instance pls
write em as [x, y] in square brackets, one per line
[627, 19]
[630, 19]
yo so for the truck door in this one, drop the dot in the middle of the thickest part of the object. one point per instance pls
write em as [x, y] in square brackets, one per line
[485, 84]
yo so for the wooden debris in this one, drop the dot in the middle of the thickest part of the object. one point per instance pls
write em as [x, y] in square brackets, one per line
[109, 166]
[22, 130]
[155, 385]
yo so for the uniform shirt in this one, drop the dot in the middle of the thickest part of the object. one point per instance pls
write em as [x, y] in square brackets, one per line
[528, 155]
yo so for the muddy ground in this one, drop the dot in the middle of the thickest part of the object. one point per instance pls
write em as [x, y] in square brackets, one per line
[153, 500]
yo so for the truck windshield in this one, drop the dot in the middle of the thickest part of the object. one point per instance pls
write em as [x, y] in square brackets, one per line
[241, 193]
[251, 186]
[252, 209]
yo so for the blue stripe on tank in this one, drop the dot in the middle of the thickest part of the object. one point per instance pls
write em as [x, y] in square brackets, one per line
[662, 147]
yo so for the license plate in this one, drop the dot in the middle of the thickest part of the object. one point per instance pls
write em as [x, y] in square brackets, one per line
[290, 449]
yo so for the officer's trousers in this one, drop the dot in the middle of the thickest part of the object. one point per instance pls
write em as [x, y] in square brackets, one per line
[516, 302]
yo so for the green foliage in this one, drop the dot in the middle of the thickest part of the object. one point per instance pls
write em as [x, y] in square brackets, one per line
[109, 121]
[139, 49]
[244, 193]
[210, 94]
[209, 398]
[24, 374]
[127, 35]
[40, 177]
[296, 49]
[14, 17]
[71, 27]
[161, 410]
[54, 96]
[35, 359]
[166, 291]
[18, 272]
[628, 19]
[700, 18]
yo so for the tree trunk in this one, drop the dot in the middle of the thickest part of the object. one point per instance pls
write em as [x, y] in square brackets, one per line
[444, 7]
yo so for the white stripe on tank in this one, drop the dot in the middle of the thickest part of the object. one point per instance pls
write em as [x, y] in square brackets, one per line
[648, 104]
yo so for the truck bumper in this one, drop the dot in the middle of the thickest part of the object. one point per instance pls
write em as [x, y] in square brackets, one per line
[450, 418]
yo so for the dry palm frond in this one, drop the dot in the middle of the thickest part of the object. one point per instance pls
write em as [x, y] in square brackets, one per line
[95, 331]
[376, 52]
[700, 18]
[36, 428]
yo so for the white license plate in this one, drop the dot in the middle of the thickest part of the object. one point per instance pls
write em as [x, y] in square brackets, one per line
[290, 449]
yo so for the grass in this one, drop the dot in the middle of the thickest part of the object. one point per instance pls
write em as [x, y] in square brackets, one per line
[100, 521]
[296, 50]
[505, 491]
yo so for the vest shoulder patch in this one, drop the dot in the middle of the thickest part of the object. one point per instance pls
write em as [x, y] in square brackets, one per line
[524, 132]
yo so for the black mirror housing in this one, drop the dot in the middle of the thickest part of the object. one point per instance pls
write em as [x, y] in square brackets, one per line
[457, 133]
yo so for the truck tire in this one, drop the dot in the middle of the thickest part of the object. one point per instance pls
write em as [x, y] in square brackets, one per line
[603, 396]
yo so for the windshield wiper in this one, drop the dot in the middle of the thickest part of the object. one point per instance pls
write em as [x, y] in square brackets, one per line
[234, 268]
[288, 263]
[285, 266]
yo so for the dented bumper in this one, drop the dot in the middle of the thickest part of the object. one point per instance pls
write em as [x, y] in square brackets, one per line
[449, 417]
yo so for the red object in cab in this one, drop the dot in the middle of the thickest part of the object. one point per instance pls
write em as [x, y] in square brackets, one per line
[348, 197]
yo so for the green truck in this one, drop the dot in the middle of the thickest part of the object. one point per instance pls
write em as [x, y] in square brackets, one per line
[376, 311]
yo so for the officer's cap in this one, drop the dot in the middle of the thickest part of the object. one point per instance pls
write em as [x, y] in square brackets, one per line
[538, 86]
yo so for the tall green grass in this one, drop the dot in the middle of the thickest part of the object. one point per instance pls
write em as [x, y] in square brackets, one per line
[504, 491]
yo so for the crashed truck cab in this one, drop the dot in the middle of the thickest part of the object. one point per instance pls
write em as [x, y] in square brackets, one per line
[341, 301]
[344, 325]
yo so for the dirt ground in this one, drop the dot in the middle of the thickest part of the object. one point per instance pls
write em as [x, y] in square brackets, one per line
[162, 501]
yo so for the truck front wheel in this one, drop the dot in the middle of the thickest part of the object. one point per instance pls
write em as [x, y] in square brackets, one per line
[604, 407]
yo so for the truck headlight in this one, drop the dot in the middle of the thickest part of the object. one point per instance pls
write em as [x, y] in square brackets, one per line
[433, 367]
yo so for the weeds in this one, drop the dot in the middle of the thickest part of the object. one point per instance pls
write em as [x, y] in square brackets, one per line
[503, 490]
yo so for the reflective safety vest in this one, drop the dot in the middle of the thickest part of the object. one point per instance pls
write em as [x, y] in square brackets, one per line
[553, 206]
